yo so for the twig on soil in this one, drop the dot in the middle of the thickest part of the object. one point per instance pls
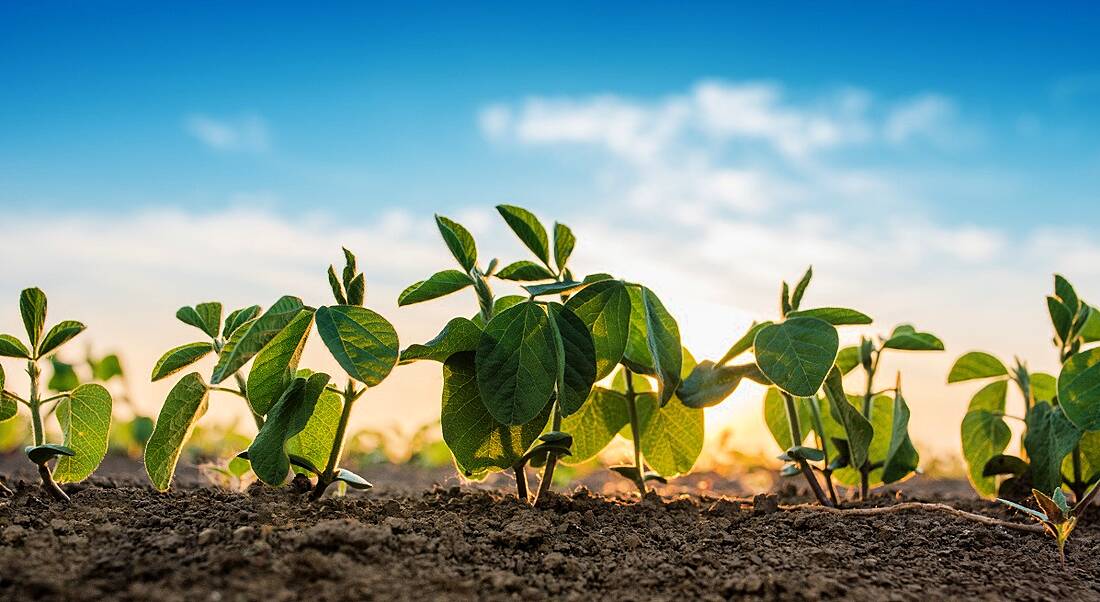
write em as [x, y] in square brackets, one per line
[907, 506]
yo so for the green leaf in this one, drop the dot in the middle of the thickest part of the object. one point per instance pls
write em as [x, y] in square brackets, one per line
[1031, 512]
[460, 334]
[247, 342]
[1049, 438]
[1044, 387]
[709, 384]
[775, 417]
[8, 405]
[363, 342]
[64, 377]
[1064, 290]
[438, 285]
[238, 317]
[287, 418]
[577, 358]
[847, 359]
[596, 423]
[276, 365]
[60, 334]
[564, 241]
[985, 434]
[185, 404]
[353, 480]
[1004, 465]
[207, 317]
[32, 305]
[479, 442]
[636, 356]
[337, 288]
[528, 228]
[858, 430]
[357, 291]
[1079, 389]
[314, 442]
[1090, 332]
[12, 347]
[797, 354]
[800, 288]
[837, 316]
[975, 365]
[179, 358]
[745, 342]
[459, 241]
[672, 434]
[663, 338]
[524, 271]
[238, 466]
[604, 307]
[517, 363]
[85, 419]
[40, 454]
[554, 288]
[901, 457]
[499, 305]
[107, 368]
[907, 338]
[1061, 317]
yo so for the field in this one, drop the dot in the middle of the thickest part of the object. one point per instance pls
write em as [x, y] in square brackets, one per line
[408, 539]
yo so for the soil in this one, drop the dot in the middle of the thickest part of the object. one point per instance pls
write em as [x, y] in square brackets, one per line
[119, 540]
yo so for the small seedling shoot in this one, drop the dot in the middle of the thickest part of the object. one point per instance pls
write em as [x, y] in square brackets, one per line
[83, 411]
[1055, 514]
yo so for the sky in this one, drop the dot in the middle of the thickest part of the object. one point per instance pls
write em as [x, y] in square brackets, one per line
[934, 162]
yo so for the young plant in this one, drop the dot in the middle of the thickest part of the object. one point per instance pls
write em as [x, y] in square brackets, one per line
[83, 410]
[1055, 514]
[1060, 444]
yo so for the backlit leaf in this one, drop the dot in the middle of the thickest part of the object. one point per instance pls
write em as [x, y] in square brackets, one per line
[179, 358]
[564, 242]
[362, 341]
[528, 228]
[975, 365]
[459, 241]
[247, 342]
[185, 404]
[460, 334]
[907, 338]
[1079, 389]
[517, 364]
[595, 424]
[797, 354]
[287, 418]
[775, 417]
[32, 306]
[858, 430]
[710, 384]
[901, 457]
[604, 307]
[438, 285]
[8, 406]
[13, 347]
[524, 271]
[672, 434]
[837, 316]
[578, 358]
[663, 338]
[745, 342]
[1050, 437]
[276, 365]
[314, 442]
[85, 419]
[847, 359]
[985, 434]
[60, 334]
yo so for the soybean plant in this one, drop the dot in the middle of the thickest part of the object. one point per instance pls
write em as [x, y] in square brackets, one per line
[1055, 514]
[83, 410]
[1060, 443]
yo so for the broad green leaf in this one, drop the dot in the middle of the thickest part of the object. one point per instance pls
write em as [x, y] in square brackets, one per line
[479, 443]
[517, 364]
[8, 405]
[907, 338]
[604, 307]
[106, 368]
[438, 285]
[672, 434]
[975, 365]
[797, 354]
[578, 358]
[60, 334]
[499, 305]
[1090, 457]
[253, 336]
[276, 365]
[595, 425]
[238, 317]
[1050, 437]
[636, 355]
[1079, 389]
[207, 317]
[745, 342]
[179, 358]
[528, 228]
[901, 457]
[1060, 316]
[185, 404]
[837, 316]
[85, 419]
[847, 359]
[640, 383]
[775, 417]
[564, 241]
[315, 441]
[663, 338]
[709, 384]
[460, 334]
[12, 347]
[287, 418]
[858, 430]
[1090, 332]
[459, 241]
[881, 421]
[64, 377]
[985, 434]
[554, 288]
[363, 342]
[32, 306]
[524, 271]
[1044, 387]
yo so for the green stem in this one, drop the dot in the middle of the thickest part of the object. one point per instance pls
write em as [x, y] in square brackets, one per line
[521, 481]
[803, 465]
[326, 478]
[865, 470]
[35, 404]
[243, 392]
[819, 429]
[635, 430]
[551, 460]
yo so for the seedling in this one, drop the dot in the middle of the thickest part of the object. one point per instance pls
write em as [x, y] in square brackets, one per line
[83, 411]
[1055, 514]
[1060, 443]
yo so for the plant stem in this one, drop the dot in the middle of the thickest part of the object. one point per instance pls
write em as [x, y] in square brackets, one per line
[635, 430]
[819, 429]
[521, 481]
[326, 478]
[35, 404]
[551, 460]
[865, 470]
[796, 438]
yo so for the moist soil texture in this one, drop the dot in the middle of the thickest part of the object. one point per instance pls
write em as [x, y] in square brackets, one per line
[120, 540]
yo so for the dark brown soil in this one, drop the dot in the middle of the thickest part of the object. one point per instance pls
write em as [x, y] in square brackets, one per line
[119, 540]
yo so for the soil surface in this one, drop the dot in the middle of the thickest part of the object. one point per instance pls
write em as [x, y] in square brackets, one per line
[119, 540]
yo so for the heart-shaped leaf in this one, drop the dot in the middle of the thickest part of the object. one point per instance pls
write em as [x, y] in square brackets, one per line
[797, 354]
[363, 342]
[517, 363]
[85, 419]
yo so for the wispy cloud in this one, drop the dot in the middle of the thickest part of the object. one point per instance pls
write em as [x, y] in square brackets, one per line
[243, 134]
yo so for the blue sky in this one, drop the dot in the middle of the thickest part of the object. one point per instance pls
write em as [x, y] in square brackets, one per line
[935, 162]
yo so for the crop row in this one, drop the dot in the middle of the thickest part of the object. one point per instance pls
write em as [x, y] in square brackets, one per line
[556, 374]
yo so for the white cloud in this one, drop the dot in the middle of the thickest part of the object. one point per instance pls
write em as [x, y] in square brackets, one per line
[245, 134]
